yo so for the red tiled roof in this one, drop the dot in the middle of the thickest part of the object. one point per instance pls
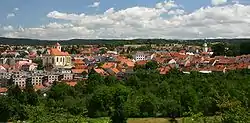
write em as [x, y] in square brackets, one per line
[71, 83]
[115, 70]
[160, 60]
[100, 71]
[107, 65]
[78, 61]
[164, 70]
[56, 52]
[81, 67]
[38, 87]
[6, 66]
[79, 70]
[141, 62]
[3, 90]
[182, 51]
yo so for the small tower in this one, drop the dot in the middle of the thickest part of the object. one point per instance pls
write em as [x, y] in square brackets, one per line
[58, 46]
[205, 48]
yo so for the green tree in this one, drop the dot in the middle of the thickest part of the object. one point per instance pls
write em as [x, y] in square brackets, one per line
[30, 94]
[151, 65]
[119, 115]
[219, 49]
[39, 63]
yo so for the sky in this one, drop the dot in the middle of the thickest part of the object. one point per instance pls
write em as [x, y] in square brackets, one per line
[124, 19]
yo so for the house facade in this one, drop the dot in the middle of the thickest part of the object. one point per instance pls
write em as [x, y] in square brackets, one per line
[56, 57]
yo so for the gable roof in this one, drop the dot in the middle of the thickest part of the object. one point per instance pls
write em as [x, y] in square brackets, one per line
[79, 70]
[56, 52]
[141, 62]
[3, 90]
[115, 70]
[107, 65]
[71, 83]
[100, 71]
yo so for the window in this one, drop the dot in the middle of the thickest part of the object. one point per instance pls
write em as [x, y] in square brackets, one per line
[57, 60]
[61, 59]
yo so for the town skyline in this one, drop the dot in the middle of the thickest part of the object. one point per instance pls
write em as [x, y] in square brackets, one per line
[167, 19]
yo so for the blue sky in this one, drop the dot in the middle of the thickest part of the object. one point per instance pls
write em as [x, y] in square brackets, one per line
[65, 19]
[33, 12]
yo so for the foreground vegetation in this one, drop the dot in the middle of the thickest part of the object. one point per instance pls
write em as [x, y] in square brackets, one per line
[143, 94]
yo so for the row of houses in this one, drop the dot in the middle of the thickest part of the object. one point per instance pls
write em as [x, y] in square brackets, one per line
[74, 67]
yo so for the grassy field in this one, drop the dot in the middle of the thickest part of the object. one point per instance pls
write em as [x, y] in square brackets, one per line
[140, 120]
[150, 120]
[161, 120]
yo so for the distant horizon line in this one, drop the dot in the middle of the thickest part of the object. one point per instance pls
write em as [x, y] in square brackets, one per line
[128, 39]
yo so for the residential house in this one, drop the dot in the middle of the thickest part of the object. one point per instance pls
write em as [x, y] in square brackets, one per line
[3, 91]
[37, 80]
[101, 71]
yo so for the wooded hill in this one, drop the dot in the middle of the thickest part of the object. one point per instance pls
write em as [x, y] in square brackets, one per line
[23, 41]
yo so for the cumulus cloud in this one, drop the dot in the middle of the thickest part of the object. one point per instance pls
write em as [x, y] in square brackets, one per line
[16, 9]
[166, 4]
[8, 28]
[11, 15]
[95, 4]
[218, 2]
[161, 21]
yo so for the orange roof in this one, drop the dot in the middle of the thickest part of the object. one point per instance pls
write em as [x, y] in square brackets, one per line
[71, 83]
[100, 71]
[115, 70]
[160, 60]
[141, 62]
[108, 65]
[79, 70]
[130, 63]
[81, 66]
[6, 66]
[78, 61]
[38, 87]
[164, 70]
[3, 90]
[56, 52]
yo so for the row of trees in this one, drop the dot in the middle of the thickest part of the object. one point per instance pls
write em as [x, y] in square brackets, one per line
[231, 49]
[145, 93]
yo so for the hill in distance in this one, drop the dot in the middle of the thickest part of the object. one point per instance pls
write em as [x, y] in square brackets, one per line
[24, 41]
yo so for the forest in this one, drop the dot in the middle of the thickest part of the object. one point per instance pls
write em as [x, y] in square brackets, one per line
[143, 94]
[24, 41]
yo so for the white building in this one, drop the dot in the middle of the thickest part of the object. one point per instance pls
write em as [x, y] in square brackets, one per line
[140, 56]
[205, 48]
[37, 80]
[56, 57]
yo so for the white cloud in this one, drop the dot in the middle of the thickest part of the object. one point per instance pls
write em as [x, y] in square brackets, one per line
[11, 15]
[226, 21]
[218, 2]
[176, 12]
[95, 4]
[166, 4]
[16, 9]
[65, 16]
[8, 28]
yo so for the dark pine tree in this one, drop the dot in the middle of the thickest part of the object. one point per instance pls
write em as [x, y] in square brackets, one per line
[118, 115]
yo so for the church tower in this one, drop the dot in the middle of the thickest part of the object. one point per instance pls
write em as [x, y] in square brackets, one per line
[58, 46]
[205, 48]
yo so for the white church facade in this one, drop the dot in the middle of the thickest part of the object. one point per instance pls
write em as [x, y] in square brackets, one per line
[56, 57]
